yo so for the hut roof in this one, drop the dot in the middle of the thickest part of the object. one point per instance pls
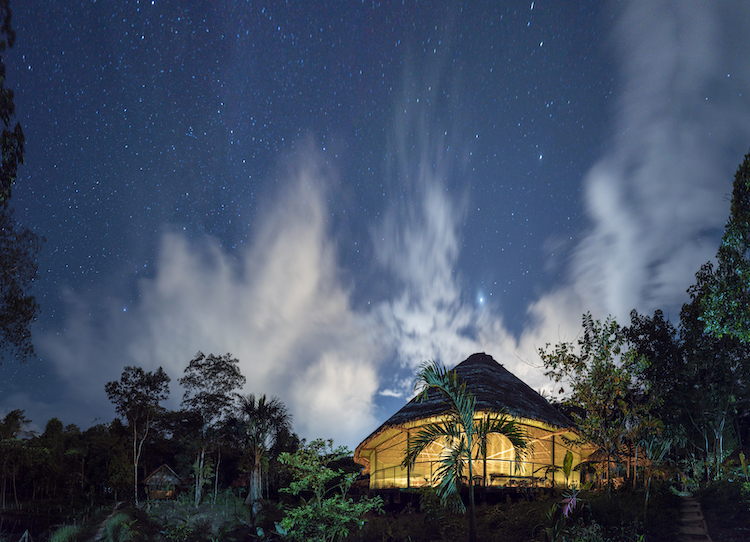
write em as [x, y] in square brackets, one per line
[164, 475]
[495, 389]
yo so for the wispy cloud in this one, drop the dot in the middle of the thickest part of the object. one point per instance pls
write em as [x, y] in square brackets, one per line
[277, 306]
[658, 198]
[656, 203]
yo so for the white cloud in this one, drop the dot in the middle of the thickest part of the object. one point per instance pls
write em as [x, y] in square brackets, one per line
[657, 199]
[278, 307]
[655, 202]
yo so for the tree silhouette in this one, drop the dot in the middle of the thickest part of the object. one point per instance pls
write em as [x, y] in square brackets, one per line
[262, 423]
[210, 383]
[136, 397]
[726, 307]
[18, 245]
[12, 138]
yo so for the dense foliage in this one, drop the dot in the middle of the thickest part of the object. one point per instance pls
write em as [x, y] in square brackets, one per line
[726, 305]
[19, 246]
[210, 384]
[606, 382]
[328, 514]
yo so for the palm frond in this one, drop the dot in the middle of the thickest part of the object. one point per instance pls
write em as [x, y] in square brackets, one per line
[450, 473]
[426, 436]
[455, 396]
[501, 424]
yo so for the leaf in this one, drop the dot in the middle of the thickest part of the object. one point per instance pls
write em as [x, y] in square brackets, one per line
[568, 463]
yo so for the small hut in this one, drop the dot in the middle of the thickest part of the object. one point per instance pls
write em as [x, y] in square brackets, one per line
[496, 390]
[163, 483]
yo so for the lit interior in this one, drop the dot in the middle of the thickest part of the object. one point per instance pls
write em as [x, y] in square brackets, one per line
[542, 465]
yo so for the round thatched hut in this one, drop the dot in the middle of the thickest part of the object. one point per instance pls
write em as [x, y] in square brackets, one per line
[496, 390]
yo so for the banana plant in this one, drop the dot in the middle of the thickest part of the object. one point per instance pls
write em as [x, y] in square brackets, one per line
[567, 466]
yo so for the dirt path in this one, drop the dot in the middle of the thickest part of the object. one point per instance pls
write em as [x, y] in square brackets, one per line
[692, 523]
[100, 531]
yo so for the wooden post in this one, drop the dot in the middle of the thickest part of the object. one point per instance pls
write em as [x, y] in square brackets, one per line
[408, 465]
[553, 460]
[484, 473]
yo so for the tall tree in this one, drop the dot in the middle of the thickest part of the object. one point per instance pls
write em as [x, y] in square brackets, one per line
[53, 441]
[605, 379]
[463, 431]
[210, 383]
[12, 449]
[658, 341]
[18, 245]
[12, 138]
[14, 425]
[726, 305]
[263, 423]
[119, 461]
[136, 397]
[716, 373]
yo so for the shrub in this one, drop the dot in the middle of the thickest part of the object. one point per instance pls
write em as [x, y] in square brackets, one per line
[66, 533]
[329, 514]
[178, 533]
[120, 528]
[592, 532]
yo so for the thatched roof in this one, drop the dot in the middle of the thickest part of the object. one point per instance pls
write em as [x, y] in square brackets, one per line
[162, 476]
[495, 389]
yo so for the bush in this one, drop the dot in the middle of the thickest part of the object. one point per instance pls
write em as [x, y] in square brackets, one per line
[120, 528]
[66, 533]
[592, 532]
[619, 518]
[329, 514]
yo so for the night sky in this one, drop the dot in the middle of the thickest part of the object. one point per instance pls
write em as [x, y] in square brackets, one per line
[336, 191]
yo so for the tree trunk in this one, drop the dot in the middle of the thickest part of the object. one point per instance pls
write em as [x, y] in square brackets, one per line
[629, 465]
[15, 491]
[199, 477]
[4, 482]
[635, 469]
[707, 468]
[484, 475]
[135, 463]
[609, 492]
[472, 511]
[255, 489]
[216, 475]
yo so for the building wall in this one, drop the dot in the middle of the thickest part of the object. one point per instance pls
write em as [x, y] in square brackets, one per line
[541, 466]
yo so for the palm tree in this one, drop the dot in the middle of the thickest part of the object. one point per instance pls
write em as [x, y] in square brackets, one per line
[263, 423]
[464, 433]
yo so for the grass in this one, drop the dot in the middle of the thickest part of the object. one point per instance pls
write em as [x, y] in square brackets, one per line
[66, 533]
[81, 532]
[120, 528]
[181, 521]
